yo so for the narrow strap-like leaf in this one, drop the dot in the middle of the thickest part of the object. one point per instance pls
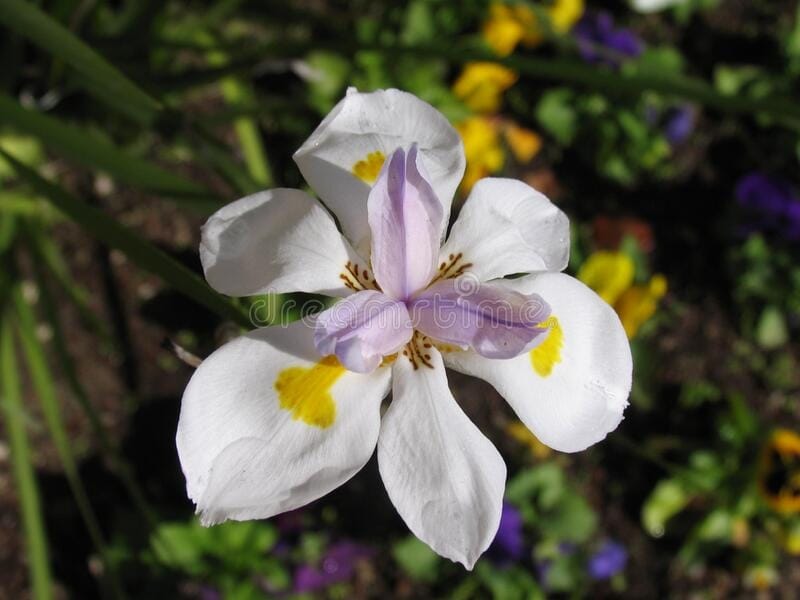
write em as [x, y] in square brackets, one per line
[42, 381]
[139, 251]
[110, 450]
[74, 144]
[24, 477]
[29, 21]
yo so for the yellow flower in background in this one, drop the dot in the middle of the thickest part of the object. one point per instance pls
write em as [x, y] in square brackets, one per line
[482, 148]
[481, 85]
[608, 273]
[564, 14]
[761, 577]
[611, 274]
[523, 435]
[524, 143]
[791, 542]
[639, 302]
[779, 472]
[508, 25]
[503, 30]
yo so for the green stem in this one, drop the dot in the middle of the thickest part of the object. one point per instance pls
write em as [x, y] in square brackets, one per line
[43, 385]
[629, 83]
[236, 91]
[21, 462]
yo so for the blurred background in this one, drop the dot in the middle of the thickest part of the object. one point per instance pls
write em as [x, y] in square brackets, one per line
[666, 130]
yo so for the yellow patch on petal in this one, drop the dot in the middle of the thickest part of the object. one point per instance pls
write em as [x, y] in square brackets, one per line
[548, 354]
[306, 391]
[368, 169]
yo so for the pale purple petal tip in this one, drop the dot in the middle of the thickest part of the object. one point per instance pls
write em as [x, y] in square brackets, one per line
[361, 329]
[406, 219]
[489, 318]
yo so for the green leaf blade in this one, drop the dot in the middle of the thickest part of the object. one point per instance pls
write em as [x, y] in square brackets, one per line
[30, 22]
[26, 487]
[139, 251]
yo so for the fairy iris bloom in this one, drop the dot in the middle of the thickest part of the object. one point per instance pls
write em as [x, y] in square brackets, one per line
[283, 415]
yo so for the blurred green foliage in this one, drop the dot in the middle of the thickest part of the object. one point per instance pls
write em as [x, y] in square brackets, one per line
[114, 109]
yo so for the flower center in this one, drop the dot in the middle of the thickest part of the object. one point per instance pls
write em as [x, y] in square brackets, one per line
[453, 267]
[417, 350]
[358, 278]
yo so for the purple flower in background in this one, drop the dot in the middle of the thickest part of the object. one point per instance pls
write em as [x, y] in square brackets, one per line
[793, 214]
[337, 565]
[677, 122]
[609, 560]
[291, 522]
[509, 544]
[679, 125]
[599, 41]
[774, 200]
[209, 593]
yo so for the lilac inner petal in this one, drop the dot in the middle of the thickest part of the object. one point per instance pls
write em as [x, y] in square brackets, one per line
[494, 321]
[406, 220]
[362, 329]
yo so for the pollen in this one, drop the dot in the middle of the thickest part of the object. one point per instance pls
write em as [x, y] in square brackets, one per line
[547, 354]
[305, 392]
[368, 169]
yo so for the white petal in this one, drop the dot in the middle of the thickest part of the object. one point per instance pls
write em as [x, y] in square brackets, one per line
[363, 124]
[508, 227]
[445, 478]
[247, 457]
[648, 6]
[582, 398]
[277, 241]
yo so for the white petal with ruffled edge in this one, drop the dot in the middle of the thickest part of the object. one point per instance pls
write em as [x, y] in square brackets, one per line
[444, 477]
[246, 457]
[277, 241]
[508, 227]
[582, 398]
[363, 124]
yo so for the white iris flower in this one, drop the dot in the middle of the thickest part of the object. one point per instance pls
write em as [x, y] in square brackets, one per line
[283, 415]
